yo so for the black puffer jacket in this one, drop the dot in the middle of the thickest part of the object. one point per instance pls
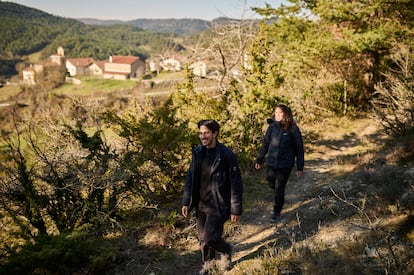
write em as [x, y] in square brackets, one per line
[227, 187]
[281, 147]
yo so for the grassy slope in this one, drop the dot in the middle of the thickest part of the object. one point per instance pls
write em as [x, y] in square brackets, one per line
[94, 85]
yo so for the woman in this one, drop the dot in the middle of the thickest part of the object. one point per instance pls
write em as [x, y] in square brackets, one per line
[282, 145]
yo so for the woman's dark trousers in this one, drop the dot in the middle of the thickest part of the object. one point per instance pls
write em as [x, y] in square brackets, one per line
[277, 180]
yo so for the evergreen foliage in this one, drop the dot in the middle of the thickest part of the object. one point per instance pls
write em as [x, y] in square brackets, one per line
[176, 26]
[154, 155]
[100, 42]
[182, 27]
[66, 253]
[330, 54]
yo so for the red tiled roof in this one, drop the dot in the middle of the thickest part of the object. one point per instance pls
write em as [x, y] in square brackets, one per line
[124, 59]
[83, 62]
[101, 63]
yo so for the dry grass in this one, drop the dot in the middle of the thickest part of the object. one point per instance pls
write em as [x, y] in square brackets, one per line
[344, 217]
[8, 91]
[350, 214]
[352, 230]
[95, 86]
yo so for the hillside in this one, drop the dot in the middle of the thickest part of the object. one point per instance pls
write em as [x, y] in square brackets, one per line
[176, 26]
[340, 218]
[26, 31]
[183, 27]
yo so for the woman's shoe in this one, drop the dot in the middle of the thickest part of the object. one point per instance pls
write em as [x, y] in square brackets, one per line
[275, 218]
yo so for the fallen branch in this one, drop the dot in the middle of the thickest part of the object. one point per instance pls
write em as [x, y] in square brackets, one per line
[360, 210]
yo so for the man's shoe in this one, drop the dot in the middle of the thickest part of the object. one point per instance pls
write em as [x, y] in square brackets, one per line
[225, 260]
[275, 218]
[205, 269]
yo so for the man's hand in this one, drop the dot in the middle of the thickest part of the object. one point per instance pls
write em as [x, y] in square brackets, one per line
[184, 211]
[234, 218]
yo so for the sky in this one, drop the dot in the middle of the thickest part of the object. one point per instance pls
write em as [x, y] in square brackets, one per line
[150, 9]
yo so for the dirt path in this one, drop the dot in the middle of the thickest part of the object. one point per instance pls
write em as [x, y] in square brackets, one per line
[311, 213]
[307, 215]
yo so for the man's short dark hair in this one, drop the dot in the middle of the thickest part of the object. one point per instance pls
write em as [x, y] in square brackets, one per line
[211, 124]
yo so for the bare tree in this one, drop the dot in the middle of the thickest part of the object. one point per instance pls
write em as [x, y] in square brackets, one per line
[224, 47]
[394, 97]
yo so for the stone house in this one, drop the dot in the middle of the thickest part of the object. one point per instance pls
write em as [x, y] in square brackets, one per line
[153, 65]
[97, 67]
[59, 57]
[123, 67]
[78, 66]
[29, 75]
[36, 73]
[171, 64]
[199, 68]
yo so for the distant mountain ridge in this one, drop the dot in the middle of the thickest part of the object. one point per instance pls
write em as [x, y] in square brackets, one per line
[184, 26]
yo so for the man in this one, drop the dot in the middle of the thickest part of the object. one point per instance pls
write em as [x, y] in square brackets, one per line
[214, 188]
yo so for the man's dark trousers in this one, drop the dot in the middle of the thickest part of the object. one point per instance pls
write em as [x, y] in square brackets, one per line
[210, 225]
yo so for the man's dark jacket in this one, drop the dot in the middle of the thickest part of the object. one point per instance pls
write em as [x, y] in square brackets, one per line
[226, 182]
[281, 147]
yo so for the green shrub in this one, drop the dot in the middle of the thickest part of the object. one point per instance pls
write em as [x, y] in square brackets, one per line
[62, 254]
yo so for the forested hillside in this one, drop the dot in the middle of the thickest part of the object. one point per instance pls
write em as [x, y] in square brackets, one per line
[25, 31]
[91, 179]
[177, 26]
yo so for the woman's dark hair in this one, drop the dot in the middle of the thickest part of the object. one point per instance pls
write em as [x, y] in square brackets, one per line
[287, 116]
[211, 124]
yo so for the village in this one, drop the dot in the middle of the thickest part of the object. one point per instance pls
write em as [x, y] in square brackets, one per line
[116, 67]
